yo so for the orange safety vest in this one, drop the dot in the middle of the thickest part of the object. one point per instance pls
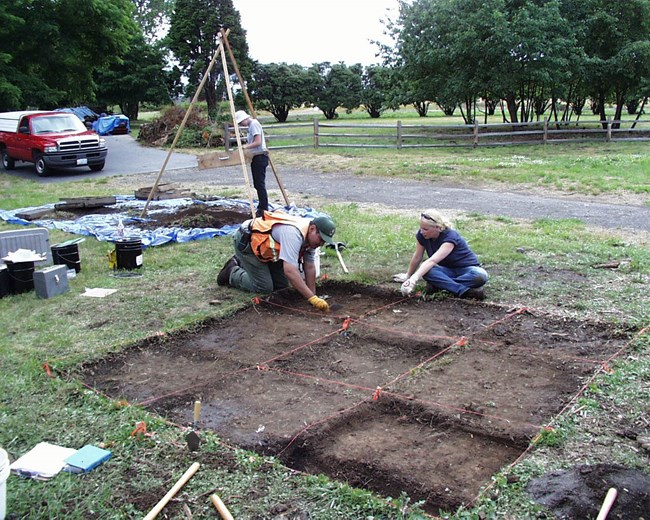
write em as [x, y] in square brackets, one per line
[263, 245]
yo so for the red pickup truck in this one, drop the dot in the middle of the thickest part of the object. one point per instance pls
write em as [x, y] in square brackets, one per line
[50, 140]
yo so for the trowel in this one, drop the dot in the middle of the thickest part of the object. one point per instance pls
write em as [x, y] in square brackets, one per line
[192, 438]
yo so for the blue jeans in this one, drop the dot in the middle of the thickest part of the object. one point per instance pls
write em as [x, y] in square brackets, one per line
[258, 169]
[457, 280]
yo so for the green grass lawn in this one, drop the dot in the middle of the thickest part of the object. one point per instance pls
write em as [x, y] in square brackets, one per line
[179, 281]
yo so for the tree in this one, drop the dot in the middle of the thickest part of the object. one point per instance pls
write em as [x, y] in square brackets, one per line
[535, 60]
[152, 16]
[376, 95]
[194, 37]
[278, 87]
[137, 77]
[463, 50]
[53, 55]
[442, 49]
[614, 36]
[10, 78]
[335, 86]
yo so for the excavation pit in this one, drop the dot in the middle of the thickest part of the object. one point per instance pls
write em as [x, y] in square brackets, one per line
[390, 394]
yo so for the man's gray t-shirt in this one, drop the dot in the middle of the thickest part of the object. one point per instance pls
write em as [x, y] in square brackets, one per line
[255, 128]
[291, 241]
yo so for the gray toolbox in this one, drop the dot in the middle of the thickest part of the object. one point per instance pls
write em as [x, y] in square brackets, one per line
[51, 281]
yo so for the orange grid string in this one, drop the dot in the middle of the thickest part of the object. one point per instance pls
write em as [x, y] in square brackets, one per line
[324, 420]
[298, 348]
[310, 312]
[379, 390]
[147, 402]
[606, 363]
[549, 426]
[425, 362]
[258, 366]
[460, 410]
[377, 309]
[556, 355]
[361, 388]
[400, 332]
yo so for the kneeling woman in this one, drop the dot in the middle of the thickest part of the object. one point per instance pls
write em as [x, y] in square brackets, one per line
[451, 265]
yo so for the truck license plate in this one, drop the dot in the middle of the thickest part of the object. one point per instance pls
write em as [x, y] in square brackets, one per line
[81, 162]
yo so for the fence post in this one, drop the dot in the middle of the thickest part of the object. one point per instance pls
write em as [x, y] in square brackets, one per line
[315, 133]
[226, 136]
[399, 134]
[609, 129]
[545, 129]
[475, 134]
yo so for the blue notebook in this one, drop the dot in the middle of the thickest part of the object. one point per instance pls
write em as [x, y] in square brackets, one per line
[86, 459]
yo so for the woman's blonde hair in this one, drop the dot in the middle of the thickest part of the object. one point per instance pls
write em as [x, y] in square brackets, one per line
[433, 216]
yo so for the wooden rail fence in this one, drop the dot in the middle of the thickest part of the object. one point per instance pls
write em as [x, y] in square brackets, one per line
[401, 136]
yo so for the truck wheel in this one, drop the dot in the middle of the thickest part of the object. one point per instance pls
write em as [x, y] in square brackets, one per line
[7, 162]
[39, 165]
[97, 167]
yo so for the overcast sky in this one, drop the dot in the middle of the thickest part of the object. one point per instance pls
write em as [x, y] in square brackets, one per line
[313, 31]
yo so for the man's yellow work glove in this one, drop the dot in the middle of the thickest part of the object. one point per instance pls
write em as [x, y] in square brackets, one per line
[319, 303]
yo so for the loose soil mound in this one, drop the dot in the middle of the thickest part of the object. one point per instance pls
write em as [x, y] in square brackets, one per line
[580, 491]
[390, 394]
[187, 217]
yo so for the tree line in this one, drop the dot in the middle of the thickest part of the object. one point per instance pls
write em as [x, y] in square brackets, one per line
[522, 58]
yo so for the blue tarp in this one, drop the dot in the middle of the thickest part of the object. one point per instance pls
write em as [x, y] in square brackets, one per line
[102, 124]
[106, 124]
[81, 112]
[106, 228]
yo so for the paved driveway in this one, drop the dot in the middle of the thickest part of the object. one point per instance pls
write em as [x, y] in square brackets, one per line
[125, 157]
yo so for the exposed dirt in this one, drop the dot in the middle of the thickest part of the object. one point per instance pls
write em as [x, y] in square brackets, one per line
[193, 216]
[427, 397]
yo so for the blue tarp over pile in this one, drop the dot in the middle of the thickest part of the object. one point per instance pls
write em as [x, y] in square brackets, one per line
[106, 124]
[106, 228]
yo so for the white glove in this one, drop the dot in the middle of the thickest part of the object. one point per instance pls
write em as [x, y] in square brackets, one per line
[400, 277]
[409, 285]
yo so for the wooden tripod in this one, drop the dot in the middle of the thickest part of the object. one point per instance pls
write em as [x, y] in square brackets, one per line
[220, 51]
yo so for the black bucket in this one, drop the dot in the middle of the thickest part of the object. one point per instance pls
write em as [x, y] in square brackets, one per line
[21, 276]
[5, 281]
[67, 255]
[128, 254]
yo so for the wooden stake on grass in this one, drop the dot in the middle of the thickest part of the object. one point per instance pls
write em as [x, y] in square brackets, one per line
[170, 494]
[221, 507]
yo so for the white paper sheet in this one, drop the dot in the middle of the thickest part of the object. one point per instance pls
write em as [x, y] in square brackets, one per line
[98, 292]
[42, 462]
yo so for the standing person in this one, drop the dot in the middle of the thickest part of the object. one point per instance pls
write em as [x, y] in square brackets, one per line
[451, 265]
[271, 252]
[256, 148]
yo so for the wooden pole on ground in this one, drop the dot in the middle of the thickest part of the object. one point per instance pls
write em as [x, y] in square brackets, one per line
[179, 484]
[252, 111]
[221, 507]
[180, 128]
[234, 120]
[607, 504]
